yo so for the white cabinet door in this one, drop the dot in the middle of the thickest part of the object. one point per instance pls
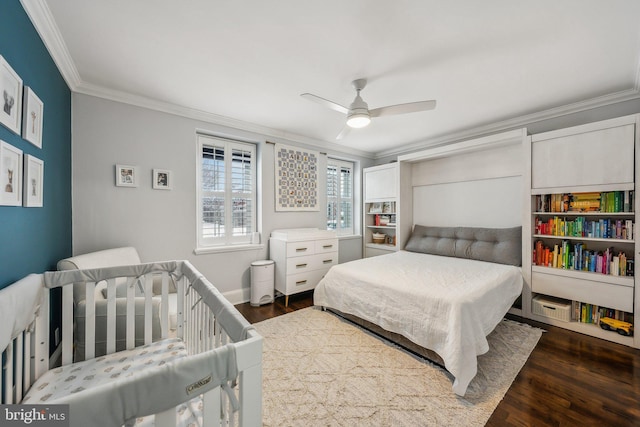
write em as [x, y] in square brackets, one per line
[599, 157]
[380, 182]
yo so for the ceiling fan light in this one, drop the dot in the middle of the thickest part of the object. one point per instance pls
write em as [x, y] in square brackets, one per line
[358, 120]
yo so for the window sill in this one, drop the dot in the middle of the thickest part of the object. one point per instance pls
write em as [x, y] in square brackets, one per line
[222, 249]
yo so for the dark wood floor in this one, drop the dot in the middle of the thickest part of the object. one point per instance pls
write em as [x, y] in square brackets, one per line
[570, 379]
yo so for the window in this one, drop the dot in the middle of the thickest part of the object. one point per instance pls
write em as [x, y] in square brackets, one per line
[340, 196]
[226, 192]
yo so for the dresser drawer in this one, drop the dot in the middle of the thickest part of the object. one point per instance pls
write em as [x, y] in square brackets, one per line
[295, 249]
[300, 264]
[303, 281]
[616, 296]
[328, 245]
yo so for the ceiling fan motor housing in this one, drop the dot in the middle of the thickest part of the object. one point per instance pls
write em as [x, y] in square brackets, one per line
[358, 116]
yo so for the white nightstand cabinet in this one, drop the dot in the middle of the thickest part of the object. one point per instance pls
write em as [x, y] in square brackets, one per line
[302, 256]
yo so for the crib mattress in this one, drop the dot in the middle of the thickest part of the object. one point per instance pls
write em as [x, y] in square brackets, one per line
[448, 305]
[63, 381]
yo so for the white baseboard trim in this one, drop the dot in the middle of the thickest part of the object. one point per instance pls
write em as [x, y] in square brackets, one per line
[238, 296]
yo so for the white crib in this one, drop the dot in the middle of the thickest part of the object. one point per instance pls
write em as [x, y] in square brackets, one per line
[208, 373]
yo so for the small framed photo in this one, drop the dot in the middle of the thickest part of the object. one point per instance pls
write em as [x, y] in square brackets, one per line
[10, 175]
[33, 182]
[11, 88]
[126, 176]
[375, 208]
[162, 179]
[32, 117]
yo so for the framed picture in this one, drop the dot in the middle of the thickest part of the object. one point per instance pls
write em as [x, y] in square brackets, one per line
[162, 179]
[33, 182]
[375, 208]
[10, 175]
[32, 117]
[11, 88]
[126, 176]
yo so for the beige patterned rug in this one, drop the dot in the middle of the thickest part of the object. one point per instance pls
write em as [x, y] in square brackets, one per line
[320, 370]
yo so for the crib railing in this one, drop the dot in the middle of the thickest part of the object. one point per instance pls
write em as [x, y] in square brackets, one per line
[25, 351]
[206, 322]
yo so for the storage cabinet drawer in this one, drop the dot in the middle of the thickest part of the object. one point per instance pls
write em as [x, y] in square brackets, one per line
[328, 245]
[608, 295]
[295, 249]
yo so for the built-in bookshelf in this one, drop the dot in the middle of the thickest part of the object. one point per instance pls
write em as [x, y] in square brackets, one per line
[583, 228]
[380, 209]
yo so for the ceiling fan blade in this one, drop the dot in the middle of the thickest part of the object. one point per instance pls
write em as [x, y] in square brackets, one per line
[410, 107]
[344, 132]
[330, 104]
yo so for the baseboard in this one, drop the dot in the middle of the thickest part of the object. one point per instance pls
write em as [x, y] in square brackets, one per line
[238, 296]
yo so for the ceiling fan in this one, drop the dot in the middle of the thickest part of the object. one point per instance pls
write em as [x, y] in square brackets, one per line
[358, 113]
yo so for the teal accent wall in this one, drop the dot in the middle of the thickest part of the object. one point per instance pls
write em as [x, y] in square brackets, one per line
[32, 240]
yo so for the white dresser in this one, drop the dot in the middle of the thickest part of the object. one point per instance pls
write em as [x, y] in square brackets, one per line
[302, 256]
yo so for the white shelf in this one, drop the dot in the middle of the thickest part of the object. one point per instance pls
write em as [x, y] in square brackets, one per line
[586, 275]
[587, 329]
[388, 227]
[586, 239]
[590, 213]
[383, 246]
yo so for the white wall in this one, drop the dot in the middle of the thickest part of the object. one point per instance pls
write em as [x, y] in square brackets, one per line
[162, 224]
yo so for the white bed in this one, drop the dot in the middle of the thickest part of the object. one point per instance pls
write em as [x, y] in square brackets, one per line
[442, 303]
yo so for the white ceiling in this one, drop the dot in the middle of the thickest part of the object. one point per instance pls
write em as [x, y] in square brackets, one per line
[489, 64]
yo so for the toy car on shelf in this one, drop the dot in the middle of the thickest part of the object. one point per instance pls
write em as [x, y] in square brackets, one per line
[619, 326]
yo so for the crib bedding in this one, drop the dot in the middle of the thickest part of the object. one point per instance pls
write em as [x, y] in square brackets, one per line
[445, 304]
[61, 382]
[69, 379]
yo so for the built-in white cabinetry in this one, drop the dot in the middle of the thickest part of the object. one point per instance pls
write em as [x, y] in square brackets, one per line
[584, 240]
[387, 225]
[302, 257]
[380, 209]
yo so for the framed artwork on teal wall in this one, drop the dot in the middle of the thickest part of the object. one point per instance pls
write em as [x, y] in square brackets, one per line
[11, 88]
[33, 182]
[10, 175]
[32, 117]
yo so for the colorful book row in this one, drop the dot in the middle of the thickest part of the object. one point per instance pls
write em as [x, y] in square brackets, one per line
[582, 227]
[590, 313]
[576, 257]
[609, 201]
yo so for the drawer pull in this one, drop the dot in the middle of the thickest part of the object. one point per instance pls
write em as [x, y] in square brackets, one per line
[301, 265]
[327, 261]
[301, 249]
[327, 246]
[300, 282]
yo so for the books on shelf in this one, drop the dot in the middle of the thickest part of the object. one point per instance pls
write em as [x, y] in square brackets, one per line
[577, 257]
[608, 202]
[590, 313]
[605, 228]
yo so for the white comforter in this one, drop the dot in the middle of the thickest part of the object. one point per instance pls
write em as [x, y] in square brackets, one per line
[448, 305]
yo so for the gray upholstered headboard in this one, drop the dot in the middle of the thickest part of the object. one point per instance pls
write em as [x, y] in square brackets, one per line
[499, 245]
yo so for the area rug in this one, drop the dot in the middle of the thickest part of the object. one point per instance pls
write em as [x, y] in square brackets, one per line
[321, 370]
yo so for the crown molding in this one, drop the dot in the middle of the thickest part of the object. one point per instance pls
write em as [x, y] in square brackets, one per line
[274, 135]
[41, 18]
[516, 122]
